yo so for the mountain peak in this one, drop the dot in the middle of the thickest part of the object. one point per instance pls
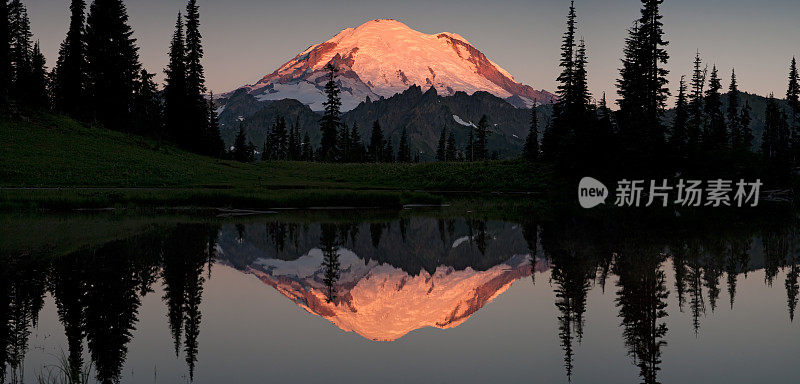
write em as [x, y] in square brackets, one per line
[384, 57]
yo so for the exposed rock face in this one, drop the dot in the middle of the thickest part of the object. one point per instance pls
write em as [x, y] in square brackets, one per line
[383, 57]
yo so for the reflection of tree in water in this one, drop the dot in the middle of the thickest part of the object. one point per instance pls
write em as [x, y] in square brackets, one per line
[776, 249]
[738, 261]
[111, 307]
[186, 252]
[5, 313]
[572, 270]
[376, 232]
[330, 260]
[530, 231]
[695, 285]
[641, 299]
[23, 284]
[67, 283]
[97, 293]
[712, 271]
[792, 286]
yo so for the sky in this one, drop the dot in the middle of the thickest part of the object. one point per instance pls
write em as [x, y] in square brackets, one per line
[247, 39]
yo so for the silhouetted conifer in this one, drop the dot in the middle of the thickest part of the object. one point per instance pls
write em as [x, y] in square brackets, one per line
[531, 152]
[441, 147]
[376, 143]
[331, 119]
[69, 80]
[404, 150]
[112, 62]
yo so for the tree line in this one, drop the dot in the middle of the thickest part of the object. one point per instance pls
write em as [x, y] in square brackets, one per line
[98, 77]
[702, 137]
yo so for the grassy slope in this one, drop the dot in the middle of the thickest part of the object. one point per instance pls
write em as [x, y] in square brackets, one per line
[52, 151]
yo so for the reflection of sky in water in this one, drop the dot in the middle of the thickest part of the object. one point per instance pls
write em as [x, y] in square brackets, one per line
[251, 332]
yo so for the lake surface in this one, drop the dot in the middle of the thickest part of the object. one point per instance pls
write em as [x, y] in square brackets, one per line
[410, 297]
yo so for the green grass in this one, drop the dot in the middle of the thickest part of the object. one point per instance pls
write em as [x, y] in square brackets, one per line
[94, 167]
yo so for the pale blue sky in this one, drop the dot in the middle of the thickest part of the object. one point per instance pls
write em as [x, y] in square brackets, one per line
[246, 39]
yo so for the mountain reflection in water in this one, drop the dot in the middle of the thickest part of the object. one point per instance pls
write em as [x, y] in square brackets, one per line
[383, 279]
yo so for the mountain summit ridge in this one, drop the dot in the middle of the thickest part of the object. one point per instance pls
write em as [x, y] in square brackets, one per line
[383, 57]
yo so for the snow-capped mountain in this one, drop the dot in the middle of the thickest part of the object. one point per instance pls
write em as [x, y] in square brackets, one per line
[383, 57]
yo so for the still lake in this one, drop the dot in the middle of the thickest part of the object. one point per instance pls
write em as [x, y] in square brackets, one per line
[418, 296]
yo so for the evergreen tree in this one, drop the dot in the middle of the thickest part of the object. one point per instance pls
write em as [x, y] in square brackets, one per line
[746, 136]
[357, 146]
[678, 138]
[376, 143]
[555, 135]
[279, 139]
[775, 138]
[242, 149]
[331, 119]
[642, 85]
[5, 52]
[265, 151]
[469, 150]
[344, 146]
[176, 108]
[733, 112]
[388, 152]
[70, 80]
[147, 106]
[450, 153]
[404, 150]
[715, 133]
[293, 149]
[203, 140]
[793, 93]
[480, 146]
[308, 150]
[37, 94]
[793, 99]
[696, 121]
[441, 148]
[195, 74]
[532, 141]
[20, 50]
[214, 144]
[112, 62]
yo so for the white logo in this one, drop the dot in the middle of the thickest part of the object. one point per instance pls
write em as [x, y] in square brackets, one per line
[591, 192]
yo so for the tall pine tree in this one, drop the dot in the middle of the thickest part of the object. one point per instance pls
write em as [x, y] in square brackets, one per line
[441, 147]
[69, 81]
[112, 63]
[532, 141]
[376, 143]
[642, 87]
[746, 137]
[331, 119]
[175, 89]
[696, 117]
[38, 96]
[793, 99]
[147, 108]
[481, 146]
[20, 50]
[450, 154]
[733, 112]
[715, 133]
[204, 140]
[404, 150]
[5, 53]
[556, 134]
[678, 138]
